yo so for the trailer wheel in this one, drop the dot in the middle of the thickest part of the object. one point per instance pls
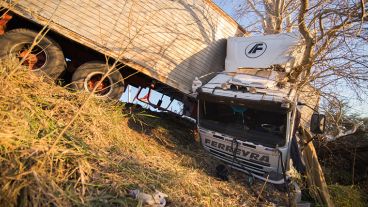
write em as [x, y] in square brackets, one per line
[44, 58]
[88, 75]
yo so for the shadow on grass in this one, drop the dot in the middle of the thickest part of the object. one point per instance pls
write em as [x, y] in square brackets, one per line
[175, 133]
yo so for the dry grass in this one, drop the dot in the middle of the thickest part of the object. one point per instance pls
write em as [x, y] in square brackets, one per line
[102, 154]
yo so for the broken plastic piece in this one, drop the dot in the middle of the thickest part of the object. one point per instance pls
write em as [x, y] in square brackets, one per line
[154, 200]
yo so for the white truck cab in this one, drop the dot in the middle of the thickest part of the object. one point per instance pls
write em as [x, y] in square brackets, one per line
[246, 114]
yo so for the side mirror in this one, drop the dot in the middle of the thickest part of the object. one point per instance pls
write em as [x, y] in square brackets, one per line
[318, 123]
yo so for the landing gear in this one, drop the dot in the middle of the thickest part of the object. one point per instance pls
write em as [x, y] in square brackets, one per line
[147, 99]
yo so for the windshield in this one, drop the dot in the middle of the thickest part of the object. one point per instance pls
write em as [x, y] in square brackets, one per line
[267, 128]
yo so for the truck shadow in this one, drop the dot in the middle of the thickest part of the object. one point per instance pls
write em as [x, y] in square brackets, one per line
[175, 133]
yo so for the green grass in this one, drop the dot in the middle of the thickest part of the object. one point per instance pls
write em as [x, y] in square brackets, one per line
[347, 196]
[104, 152]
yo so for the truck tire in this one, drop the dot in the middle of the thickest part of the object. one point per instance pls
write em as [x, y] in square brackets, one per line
[89, 74]
[45, 58]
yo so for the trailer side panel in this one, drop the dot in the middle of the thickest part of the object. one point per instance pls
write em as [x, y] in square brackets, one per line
[171, 41]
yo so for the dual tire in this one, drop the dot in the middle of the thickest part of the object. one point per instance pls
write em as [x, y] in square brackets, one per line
[47, 58]
[44, 58]
[88, 77]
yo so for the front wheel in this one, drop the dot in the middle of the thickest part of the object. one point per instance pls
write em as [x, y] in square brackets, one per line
[88, 77]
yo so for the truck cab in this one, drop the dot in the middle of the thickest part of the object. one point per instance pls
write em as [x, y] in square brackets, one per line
[247, 114]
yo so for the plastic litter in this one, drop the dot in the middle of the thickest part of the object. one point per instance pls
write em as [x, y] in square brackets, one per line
[156, 199]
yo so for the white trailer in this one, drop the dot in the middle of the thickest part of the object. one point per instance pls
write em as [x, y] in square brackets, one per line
[167, 42]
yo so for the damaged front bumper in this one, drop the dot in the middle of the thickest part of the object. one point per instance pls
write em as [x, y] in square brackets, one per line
[256, 160]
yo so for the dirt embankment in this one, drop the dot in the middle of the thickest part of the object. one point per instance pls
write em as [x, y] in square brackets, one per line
[103, 153]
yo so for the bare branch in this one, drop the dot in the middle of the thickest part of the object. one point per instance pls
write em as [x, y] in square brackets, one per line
[260, 15]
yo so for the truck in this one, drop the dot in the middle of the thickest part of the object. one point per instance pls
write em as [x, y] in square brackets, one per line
[248, 114]
[160, 45]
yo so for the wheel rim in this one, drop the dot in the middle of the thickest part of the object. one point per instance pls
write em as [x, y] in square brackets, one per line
[34, 58]
[102, 89]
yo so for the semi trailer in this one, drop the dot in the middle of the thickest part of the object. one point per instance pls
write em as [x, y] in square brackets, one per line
[158, 44]
[248, 115]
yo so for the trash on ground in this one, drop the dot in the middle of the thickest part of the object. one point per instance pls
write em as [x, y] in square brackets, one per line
[156, 199]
